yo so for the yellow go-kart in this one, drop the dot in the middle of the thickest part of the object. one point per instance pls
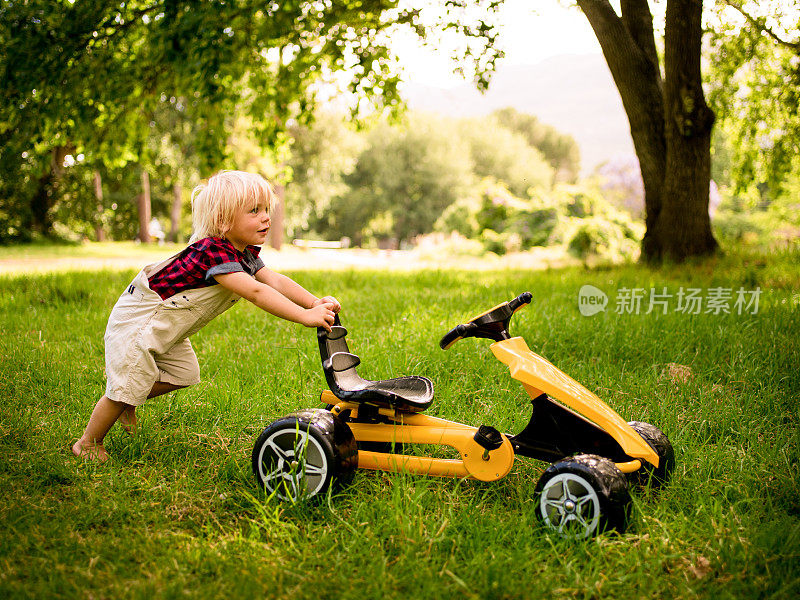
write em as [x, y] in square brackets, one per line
[371, 424]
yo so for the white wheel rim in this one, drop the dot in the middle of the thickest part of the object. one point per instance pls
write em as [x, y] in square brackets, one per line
[570, 505]
[292, 464]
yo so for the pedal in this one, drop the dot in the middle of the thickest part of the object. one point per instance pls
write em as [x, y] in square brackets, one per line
[488, 438]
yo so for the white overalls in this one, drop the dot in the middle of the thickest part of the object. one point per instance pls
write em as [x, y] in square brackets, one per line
[146, 338]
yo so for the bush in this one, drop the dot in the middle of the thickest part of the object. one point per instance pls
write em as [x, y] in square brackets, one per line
[602, 238]
[500, 243]
[593, 237]
[750, 219]
[535, 226]
[461, 217]
[734, 228]
[529, 222]
[575, 216]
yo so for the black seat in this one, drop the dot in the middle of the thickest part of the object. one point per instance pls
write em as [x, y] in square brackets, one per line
[409, 394]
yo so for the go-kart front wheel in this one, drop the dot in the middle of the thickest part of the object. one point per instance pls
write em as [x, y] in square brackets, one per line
[582, 496]
[657, 439]
[301, 455]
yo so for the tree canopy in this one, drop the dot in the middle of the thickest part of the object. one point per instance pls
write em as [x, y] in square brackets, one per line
[98, 89]
[559, 149]
[754, 83]
[390, 182]
[88, 77]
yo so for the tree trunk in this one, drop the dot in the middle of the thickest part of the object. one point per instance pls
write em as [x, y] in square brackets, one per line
[684, 226]
[175, 211]
[41, 218]
[41, 221]
[674, 167]
[276, 227]
[144, 209]
[99, 232]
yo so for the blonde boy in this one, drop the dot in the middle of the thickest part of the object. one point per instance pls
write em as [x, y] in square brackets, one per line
[148, 352]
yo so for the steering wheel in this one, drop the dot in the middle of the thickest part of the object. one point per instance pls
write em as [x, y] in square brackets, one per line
[493, 324]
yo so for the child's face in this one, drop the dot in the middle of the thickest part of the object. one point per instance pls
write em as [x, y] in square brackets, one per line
[250, 226]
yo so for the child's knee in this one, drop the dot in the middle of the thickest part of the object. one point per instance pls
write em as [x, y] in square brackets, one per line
[117, 404]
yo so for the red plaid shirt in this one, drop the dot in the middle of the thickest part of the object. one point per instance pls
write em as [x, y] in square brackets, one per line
[196, 266]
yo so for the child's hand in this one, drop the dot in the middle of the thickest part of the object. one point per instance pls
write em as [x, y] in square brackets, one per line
[329, 300]
[321, 315]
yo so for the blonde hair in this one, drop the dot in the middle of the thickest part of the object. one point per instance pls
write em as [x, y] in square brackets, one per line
[214, 203]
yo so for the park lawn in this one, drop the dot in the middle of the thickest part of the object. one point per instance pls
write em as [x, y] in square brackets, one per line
[177, 513]
[89, 250]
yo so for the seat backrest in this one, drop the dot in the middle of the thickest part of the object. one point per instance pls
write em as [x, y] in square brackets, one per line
[333, 342]
[338, 363]
[342, 361]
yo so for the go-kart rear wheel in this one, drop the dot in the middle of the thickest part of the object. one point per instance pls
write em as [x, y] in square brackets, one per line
[301, 455]
[648, 474]
[582, 496]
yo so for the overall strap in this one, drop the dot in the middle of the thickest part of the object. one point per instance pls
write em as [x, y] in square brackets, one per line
[154, 268]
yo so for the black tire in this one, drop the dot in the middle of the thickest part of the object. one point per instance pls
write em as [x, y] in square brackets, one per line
[582, 496]
[648, 474]
[301, 455]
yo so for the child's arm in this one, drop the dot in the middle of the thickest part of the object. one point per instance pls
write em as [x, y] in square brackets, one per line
[294, 291]
[274, 302]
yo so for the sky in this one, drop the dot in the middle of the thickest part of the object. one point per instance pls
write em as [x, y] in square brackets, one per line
[531, 31]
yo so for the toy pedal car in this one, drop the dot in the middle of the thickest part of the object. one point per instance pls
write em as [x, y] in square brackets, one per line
[368, 425]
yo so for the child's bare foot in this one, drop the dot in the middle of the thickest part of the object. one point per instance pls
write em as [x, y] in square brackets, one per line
[90, 451]
[128, 420]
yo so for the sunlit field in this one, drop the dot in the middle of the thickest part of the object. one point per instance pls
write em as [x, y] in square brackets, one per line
[176, 512]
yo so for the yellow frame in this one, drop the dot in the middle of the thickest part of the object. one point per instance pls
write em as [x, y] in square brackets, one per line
[414, 428]
[537, 376]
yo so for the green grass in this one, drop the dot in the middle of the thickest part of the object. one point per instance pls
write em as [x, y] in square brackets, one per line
[176, 513]
[88, 250]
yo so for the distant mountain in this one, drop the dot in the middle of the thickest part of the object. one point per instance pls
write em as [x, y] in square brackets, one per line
[573, 93]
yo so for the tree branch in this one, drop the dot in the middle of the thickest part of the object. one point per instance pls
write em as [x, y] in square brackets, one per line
[638, 80]
[760, 25]
[626, 58]
[639, 22]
